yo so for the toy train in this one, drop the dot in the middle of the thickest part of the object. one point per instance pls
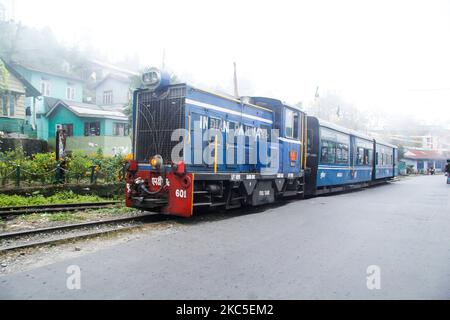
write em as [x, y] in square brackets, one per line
[195, 148]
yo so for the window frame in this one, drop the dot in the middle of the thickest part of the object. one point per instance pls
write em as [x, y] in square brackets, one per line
[330, 145]
[12, 104]
[87, 129]
[108, 97]
[4, 101]
[291, 123]
[125, 129]
[70, 92]
[342, 147]
[45, 87]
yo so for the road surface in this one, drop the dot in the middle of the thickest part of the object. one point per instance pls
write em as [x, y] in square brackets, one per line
[312, 249]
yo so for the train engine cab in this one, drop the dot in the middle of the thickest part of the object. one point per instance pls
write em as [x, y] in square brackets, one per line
[154, 182]
[196, 148]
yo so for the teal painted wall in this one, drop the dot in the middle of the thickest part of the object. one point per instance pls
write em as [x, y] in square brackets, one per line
[64, 116]
[42, 127]
[58, 87]
[17, 126]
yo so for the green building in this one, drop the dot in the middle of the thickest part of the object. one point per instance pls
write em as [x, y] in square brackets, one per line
[89, 127]
[14, 90]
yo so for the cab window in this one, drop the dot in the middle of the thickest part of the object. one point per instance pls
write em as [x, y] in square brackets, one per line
[291, 124]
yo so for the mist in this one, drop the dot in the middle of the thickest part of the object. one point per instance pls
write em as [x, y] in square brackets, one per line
[388, 61]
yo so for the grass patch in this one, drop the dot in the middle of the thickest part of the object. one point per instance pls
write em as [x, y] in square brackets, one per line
[38, 199]
[65, 216]
[76, 216]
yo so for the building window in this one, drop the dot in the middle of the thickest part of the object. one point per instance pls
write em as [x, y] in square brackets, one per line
[12, 105]
[67, 128]
[107, 97]
[45, 87]
[92, 128]
[120, 129]
[70, 92]
[4, 105]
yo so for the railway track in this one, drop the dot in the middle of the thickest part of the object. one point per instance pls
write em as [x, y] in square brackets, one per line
[53, 208]
[44, 236]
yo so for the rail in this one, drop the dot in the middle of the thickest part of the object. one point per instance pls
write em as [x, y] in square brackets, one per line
[48, 232]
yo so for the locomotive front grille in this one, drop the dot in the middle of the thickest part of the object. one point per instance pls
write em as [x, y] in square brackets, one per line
[158, 115]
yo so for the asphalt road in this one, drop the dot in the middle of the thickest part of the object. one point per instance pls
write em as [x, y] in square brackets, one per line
[316, 248]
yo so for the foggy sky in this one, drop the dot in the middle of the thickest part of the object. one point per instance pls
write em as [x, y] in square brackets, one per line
[389, 56]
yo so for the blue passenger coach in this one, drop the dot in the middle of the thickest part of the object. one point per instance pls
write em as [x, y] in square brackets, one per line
[339, 158]
[386, 158]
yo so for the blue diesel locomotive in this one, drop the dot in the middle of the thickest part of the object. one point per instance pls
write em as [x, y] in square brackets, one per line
[196, 148]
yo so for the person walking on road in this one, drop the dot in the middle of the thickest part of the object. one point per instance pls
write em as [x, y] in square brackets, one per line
[447, 171]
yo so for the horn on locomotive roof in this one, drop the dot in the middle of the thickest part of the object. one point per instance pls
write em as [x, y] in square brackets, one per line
[155, 79]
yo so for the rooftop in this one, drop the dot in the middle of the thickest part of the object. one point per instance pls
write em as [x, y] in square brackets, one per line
[86, 110]
[423, 155]
[47, 70]
[30, 91]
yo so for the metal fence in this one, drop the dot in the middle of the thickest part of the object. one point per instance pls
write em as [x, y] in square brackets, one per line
[17, 176]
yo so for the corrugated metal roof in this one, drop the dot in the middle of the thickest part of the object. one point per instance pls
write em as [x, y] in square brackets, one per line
[423, 155]
[88, 110]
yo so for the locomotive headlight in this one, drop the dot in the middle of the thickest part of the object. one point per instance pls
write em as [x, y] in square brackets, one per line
[154, 79]
[157, 161]
[151, 78]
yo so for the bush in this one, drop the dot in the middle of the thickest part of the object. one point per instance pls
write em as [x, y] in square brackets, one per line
[42, 167]
[79, 165]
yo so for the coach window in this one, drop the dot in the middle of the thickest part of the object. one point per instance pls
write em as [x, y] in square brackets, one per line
[366, 157]
[370, 156]
[341, 153]
[328, 152]
[359, 156]
[310, 140]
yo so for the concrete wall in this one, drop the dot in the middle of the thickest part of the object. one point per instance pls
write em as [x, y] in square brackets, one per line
[110, 144]
[29, 146]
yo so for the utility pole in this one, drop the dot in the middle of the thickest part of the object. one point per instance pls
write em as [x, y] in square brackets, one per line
[13, 10]
[316, 102]
[236, 92]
